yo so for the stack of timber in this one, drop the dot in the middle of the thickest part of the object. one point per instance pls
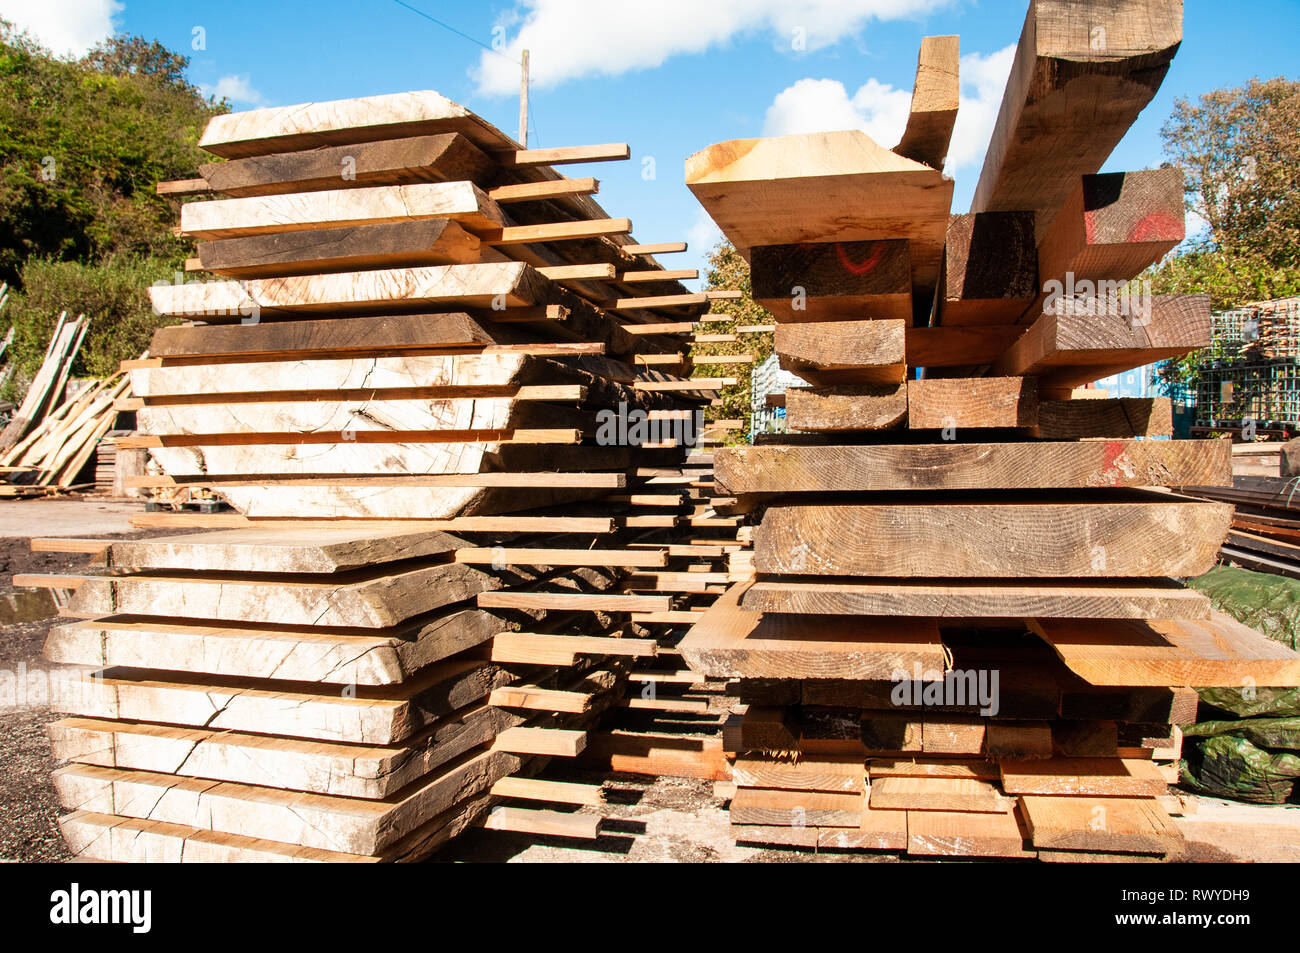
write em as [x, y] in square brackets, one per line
[53, 435]
[1265, 532]
[967, 634]
[437, 384]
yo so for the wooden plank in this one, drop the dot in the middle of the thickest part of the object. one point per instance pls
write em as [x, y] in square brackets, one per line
[827, 281]
[539, 698]
[489, 436]
[1217, 651]
[1083, 777]
[1112, 418]
[955, 403]
[660, 248]
[1014, 540]
[1062, 464]
[843, 352]
[795, 188]
[555, 231]
[935, 95]
[1068, 599]
[806, 774]
[1073, 92]
[447, 157]
[730, 642]
[302, 654]
[796, 808]
[990, 274]
[435, 241]
[331, 335]
[932, 768]
[508, 556]
[463, 202]
[582, 601]
[957, 834]
[535, 648]
[840, 407]
[1129, 825]
[938, 794]
[513, 284]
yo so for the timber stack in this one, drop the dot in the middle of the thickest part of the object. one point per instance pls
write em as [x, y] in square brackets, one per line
[967, 634]
[446, 397]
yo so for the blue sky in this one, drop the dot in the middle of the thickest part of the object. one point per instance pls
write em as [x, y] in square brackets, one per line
[668, 76]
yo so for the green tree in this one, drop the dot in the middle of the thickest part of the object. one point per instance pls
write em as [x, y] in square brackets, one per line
[727, 271]
[1239, 152]
[83, 144]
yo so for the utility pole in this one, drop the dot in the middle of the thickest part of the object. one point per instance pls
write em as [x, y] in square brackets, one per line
[523, 102]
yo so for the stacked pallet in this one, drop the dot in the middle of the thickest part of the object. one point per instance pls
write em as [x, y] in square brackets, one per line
[436, 384]
[967, 634]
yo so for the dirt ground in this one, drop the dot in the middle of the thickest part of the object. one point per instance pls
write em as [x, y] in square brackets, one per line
[28, 827]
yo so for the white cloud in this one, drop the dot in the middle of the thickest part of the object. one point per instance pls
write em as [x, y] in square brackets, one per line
[568, 39]
[880, 110]
[64, 26]
[983, 79]
[237, 89]
[823, 105]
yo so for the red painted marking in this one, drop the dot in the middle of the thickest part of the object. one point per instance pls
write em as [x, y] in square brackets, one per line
[1114, 450]
[1157, 227]
[861, 268]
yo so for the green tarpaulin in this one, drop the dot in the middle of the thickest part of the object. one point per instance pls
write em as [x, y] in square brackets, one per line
[1230, 766]
[1262, 601]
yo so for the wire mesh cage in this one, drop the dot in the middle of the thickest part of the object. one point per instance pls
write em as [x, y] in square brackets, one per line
[1252, 372]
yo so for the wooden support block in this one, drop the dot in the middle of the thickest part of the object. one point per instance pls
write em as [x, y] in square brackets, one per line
[990, 277]
[564, 155]
[933, 112]
[979, 402]
[543, 823]
[1075, 88]
[536, 648]
[557, 742]
[972, 466]
[543, 191]
[843, 352]
[833, 281]
[538, 698]
[847, 406]
[1172, 537]
[539, 789]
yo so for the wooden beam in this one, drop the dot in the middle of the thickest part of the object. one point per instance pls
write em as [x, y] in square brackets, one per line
[1067, 464]
[543, 191]
[827, 281]
[662, 248]
[846, 407]
[555, 231]
[843, 352]
[990, 270]
[1164, 536]
[1077, 83]
[978, 402]
[933, 112]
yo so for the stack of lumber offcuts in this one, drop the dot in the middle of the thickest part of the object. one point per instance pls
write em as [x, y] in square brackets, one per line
[414, 376]
[1265, 532]
[967, 634]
